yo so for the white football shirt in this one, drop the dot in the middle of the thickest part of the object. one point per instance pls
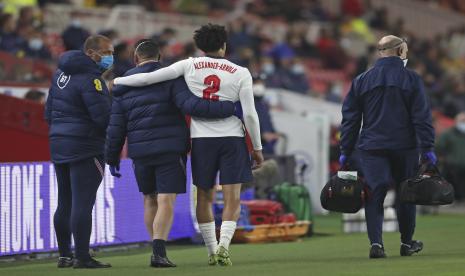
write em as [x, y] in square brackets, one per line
[216, 79]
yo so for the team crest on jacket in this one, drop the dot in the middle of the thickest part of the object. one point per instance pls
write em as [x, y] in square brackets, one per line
[63, 80]
[98, 85]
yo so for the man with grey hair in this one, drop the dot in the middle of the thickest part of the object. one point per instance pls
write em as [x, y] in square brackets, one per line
[397, 127]
[77, 112]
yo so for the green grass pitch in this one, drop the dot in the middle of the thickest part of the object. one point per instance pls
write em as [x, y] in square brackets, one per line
[329, 252]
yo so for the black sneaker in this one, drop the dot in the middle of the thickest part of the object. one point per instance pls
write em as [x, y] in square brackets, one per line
[377, 251]
[410, 248]
[157, 261]
[90, 263]
[65, 262]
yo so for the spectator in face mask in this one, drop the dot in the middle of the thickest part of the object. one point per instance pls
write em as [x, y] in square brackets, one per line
[36, 48]
[297, 78]
[451, 147]
[10, 40]
[292, 76]
[267, 130]
[74, 35]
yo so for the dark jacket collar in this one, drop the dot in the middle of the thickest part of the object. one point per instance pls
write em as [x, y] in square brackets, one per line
[76, 62]
[120, 90]
[390, 61]
[144, 68]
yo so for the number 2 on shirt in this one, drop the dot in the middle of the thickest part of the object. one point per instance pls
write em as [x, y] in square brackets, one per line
[213, 85]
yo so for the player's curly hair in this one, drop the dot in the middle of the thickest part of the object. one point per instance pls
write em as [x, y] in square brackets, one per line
[210, 37]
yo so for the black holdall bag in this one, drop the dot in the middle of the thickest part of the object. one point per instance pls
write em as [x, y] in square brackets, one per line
[428, 187]
[343, 195]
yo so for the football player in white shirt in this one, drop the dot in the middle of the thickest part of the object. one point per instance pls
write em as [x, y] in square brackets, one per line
[218, 144]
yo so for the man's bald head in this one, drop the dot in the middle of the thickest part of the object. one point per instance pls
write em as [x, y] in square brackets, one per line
[392, 45]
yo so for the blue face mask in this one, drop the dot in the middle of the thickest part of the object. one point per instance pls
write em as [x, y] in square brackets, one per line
[106, 62]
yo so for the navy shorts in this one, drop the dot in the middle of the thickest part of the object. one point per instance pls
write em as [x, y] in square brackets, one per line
[227, 155]
[161, 176]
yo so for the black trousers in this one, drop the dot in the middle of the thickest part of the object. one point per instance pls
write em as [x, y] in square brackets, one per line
[382, 169]
[78, 183]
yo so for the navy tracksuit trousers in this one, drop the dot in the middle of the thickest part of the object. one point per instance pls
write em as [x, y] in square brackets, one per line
[78, 183]
[382, 169]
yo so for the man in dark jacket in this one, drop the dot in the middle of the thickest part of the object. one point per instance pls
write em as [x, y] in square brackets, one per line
[268, 133]
[78, 111]
[158, 141]
[391, 101]
[451, 149]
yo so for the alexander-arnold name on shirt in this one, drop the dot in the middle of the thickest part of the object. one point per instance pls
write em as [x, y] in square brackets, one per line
[215, 65]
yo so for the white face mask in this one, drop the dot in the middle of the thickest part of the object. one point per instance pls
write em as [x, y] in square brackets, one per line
[36, 44]
[298, 69]
[76, 23]
[259, 90]
[461, 127]
[405, 62]
[268, 68]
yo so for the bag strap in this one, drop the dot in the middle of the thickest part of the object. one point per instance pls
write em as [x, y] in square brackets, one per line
[423, 168]
[426, 167]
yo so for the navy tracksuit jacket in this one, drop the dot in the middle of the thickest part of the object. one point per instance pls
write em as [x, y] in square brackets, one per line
[389, 103]
[77, 111]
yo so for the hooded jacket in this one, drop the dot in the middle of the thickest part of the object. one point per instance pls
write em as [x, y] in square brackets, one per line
[152, 117]
[77, 109]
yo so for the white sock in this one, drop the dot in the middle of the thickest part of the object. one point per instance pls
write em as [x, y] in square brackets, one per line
[208, 231]
[227, 232]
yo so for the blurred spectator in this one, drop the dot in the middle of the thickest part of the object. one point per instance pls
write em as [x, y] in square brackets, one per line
[36, 96]
[267, 130]
[457, 43]
[332, 56]
[359, 28]
[12, 6]
[379, 20]
[335, 93]
[189, 50]
[170, 48]
[296, 38]
[294, 76]
[455, 102]
[26, 17]
[74, 35]
[352, 7]
[10, 41]
[112, 35]
[451, 149]
[313, 10]
[239, 36]
[36, 47]
[282, 51]
[123, 59]
[166, 37]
